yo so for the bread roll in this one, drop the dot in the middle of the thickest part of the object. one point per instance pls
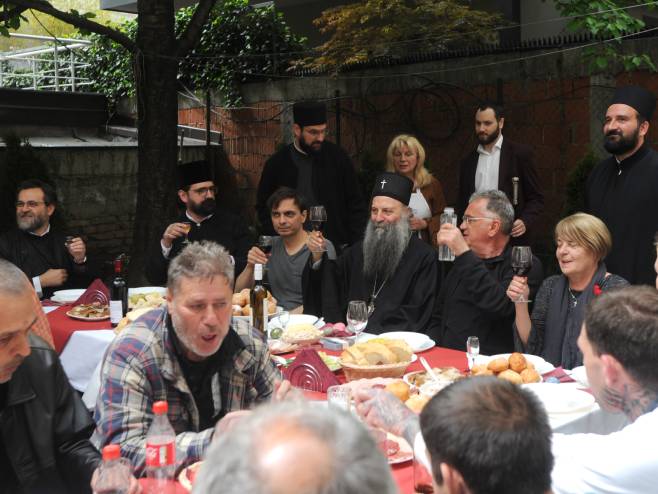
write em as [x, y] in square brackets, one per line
[246, 310]
[400, 389]
[530, 376]
[237, 299]
[510, 375]
[498, 365]
[517, 362]
[417, 402]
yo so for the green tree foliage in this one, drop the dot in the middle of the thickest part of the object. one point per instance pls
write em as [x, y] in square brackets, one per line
[606, 19]
[236, 46]
[394, 28]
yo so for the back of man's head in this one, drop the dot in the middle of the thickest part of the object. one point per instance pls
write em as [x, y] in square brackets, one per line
[495, 434]
[13, 281]
[624, 323]
[296, 448]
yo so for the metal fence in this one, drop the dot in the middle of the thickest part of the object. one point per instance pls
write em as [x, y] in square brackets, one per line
[55, 66]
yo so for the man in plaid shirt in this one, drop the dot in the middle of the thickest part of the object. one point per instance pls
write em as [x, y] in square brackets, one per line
[189, 355]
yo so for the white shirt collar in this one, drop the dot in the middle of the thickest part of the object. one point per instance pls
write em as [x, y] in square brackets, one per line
[37, 235]
[498, 145]
[198, 223]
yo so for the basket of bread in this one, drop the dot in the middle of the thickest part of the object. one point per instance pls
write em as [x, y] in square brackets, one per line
[241, 307]
[515, 368]
[378, 357]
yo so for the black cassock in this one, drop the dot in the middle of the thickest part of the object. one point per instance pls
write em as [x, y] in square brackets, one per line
[35, 255]
[625, 196]
[405, 302]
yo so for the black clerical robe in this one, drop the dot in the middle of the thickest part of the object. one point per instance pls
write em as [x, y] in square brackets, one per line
[223, 227]
[404, 303]
[624, 195]
[35, 255]
[473, 302]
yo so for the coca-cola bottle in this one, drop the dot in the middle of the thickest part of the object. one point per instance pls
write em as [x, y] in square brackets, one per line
[113, 474]
[160, 445]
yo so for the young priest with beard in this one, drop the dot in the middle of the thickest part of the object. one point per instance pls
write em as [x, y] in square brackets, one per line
[394, 272]
[206, 222]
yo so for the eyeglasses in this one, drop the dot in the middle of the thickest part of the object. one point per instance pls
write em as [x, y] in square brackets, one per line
[317, 133]
[471, 219]
[29, 204]
[205, 190]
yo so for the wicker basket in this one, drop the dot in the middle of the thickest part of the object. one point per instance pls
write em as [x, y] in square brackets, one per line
[354, 372]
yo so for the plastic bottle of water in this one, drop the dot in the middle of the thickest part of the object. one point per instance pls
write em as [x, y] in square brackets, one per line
[448, 216]
[160, 445]
[113, 474]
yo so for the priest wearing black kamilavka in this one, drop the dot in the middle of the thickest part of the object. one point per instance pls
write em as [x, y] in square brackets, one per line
[623, 189]
[320, 171]
[51, 260]
[202, 219]
[393, 271]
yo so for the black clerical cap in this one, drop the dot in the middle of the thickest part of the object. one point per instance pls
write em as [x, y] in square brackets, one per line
[309, 113]
[393, 185]
[193, 173]
[638, 98]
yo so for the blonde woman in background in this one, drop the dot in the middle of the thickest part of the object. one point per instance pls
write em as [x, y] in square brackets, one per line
[406, 156]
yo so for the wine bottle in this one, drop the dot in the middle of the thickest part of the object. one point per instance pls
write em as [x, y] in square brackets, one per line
[258, 301]
[118, 294]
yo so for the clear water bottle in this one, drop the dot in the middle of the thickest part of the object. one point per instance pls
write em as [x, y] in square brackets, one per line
[113, 474]
[448, 216]
[160, 445]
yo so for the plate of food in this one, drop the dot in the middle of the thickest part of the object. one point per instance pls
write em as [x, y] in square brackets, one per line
[514, 367]
[278, 346]
[418, 378]
[418, 342]
[146, 296]
[90, 312]
[301, 334]
[188, 475]
[275, 321]
[397, 449]
[561, 398]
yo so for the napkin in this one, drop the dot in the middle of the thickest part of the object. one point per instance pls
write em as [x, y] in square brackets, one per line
[308, 371]
[560, 375]
[97, 292]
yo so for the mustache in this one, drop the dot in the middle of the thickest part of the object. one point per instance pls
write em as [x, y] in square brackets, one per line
[613, 133]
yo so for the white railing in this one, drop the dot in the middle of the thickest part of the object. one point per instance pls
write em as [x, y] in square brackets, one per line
[46, 67]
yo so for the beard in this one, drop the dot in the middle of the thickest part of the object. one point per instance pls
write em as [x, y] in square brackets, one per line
[484, 140]
[204, 208]
[311, 149]
[31, 222]
[383, 247]
[623, 144]
[182, 334]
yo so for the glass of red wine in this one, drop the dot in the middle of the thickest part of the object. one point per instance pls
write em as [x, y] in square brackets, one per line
[317, 216]
[521, 264]
[265, 244]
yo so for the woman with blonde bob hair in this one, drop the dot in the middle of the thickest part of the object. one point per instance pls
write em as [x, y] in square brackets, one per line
[583, 241]
[406, 156]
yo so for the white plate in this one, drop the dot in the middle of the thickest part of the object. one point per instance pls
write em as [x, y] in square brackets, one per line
[66, 296]
[294, 319]
[580, 375]
[541, 366]
[560, 398]
[418, 342]
[147, 289]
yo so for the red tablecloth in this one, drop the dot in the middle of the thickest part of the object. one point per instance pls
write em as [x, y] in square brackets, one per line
[62, 326]
[437, 357]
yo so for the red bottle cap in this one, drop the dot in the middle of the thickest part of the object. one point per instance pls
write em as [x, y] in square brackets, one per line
[111, 452]
[160, 407]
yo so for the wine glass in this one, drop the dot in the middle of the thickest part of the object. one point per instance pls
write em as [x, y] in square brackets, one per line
[357, 317]
[284, 319]
[265, 244]
[187, 226]
[472, 350]
[521, 264]
[317, 215]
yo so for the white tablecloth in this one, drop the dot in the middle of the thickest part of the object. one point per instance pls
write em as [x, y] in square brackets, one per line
[82, 354]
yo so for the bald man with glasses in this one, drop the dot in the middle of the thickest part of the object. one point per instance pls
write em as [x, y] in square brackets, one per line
[202, 219]
[473, 300]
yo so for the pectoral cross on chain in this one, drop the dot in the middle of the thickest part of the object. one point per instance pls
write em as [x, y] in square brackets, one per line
[383, 183]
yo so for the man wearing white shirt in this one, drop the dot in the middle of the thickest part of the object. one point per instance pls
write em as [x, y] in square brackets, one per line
[501, 164]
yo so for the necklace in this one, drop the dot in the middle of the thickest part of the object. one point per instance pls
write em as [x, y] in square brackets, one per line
[375, 293]
[574, 298]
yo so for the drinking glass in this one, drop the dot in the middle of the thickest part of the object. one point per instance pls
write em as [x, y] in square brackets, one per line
[521, 264]
[472, 350]
[187, 226]
[357, 317]
[317, 215]
[284, 319]
[68, 240]
[340, 397]
[265, 244]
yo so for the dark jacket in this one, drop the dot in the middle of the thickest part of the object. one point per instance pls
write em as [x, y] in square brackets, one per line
[223, 227]
[516, 160]
[335, 186]
[36, 255]
[473, 301]
[45, 428]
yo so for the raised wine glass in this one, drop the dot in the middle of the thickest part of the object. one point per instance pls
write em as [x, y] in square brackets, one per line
[317, 215]
[265, 244]
[521, 264]
[357, 317]
[472, 350]
[187, 226]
